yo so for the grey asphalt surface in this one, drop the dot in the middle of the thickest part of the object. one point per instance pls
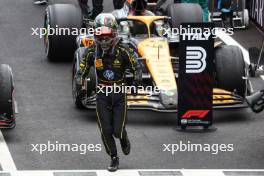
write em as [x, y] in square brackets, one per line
[47, 113]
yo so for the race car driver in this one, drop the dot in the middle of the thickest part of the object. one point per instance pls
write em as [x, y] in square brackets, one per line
[203, 4]
[111, 59]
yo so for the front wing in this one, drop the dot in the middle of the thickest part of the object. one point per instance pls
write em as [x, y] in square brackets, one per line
[222, 99]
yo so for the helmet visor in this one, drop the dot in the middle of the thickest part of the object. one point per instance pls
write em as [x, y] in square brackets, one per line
[105, 37]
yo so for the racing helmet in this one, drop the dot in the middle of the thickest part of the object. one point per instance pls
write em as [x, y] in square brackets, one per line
[137, 7]
[106, 30]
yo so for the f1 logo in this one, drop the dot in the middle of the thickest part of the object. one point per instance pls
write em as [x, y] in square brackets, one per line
[195, 59]
[195, 113]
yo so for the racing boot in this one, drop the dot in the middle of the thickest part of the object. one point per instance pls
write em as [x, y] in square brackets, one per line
[125, 145]
[114, 164]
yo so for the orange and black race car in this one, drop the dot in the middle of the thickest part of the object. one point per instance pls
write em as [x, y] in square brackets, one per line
[160, 59]
[159, 55]
[7, 101]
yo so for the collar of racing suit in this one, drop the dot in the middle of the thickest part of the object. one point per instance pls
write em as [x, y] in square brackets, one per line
[99, 52]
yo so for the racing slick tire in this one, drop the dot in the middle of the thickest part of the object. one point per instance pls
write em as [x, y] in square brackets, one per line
[184, 13]
[59, 47]
[230, 69]
[7, 119]
[77, 92]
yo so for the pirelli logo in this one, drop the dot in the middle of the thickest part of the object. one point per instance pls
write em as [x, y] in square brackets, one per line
[195, 59]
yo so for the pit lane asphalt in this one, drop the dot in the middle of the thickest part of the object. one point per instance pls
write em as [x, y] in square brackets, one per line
[47, 113]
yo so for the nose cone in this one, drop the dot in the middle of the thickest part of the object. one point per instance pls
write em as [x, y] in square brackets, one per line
[169, 99]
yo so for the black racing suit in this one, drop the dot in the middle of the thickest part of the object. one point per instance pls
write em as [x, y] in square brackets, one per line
[97, 7]
[111, 109]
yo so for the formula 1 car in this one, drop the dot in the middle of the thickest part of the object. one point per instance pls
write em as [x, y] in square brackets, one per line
[161, 65]
[161, 69]
[7, 101]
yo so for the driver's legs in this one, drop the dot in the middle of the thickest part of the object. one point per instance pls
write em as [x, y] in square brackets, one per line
[97, 8]
[105, 122]
[84, 7]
